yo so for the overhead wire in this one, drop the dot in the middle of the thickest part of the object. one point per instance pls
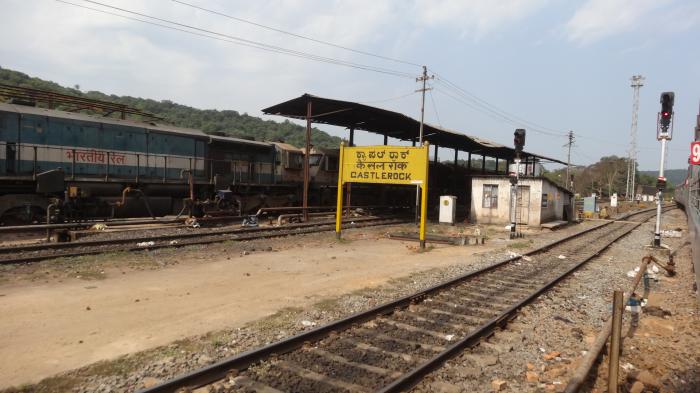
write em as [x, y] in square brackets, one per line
[233, 39]
[493, 114]
[485, 105]
[239, 19]
[437, 115]
[388, 99]
[458, 94]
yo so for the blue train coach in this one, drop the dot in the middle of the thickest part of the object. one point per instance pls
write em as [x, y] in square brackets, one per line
[102, 166]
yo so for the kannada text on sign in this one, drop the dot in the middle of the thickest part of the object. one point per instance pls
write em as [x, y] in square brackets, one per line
[385, 164]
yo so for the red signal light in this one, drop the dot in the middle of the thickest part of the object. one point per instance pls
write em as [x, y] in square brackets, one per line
[665, 114]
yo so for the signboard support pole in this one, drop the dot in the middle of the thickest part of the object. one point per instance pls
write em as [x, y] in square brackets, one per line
[339, 202]
[423, 210]
[424, 198]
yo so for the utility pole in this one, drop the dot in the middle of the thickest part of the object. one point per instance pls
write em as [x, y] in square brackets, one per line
[567, 184]
[423, 78]
[637, 82]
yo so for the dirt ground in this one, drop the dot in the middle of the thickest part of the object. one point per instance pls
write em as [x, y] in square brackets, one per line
[661, 353]
[64, 316]
[146, 317]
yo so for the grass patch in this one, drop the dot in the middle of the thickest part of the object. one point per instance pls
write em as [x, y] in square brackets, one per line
[520, 245]
[56, 384]
[327, 305]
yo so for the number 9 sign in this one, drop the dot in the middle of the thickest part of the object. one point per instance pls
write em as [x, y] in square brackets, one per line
[695, 153]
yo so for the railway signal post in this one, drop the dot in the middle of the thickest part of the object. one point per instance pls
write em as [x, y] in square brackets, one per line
[664, 123]
[519, 142]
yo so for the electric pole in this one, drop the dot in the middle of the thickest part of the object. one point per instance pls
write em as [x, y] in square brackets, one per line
[423, 78]
[567, 184]
[637, 82]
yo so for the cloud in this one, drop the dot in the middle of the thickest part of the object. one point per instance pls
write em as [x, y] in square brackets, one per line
[475, 18]
[598, 19]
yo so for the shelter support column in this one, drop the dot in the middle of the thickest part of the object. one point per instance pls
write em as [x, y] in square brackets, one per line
[305, 202]
[469, 162]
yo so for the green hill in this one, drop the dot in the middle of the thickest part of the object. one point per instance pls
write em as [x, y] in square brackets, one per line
[673, 176]
[225, 122]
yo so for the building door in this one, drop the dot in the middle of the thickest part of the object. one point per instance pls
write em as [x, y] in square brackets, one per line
[522, 213]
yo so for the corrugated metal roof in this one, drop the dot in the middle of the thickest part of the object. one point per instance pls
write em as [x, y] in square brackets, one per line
[287, 146]
[396, 125]
[22, 109]
[218, 138]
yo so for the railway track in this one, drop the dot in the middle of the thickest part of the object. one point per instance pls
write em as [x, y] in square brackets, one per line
[391, 347]
[38, 252]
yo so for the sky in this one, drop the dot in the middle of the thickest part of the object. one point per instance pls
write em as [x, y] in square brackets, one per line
[544, 65]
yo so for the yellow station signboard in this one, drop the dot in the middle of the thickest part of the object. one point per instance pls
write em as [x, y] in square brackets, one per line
[384, 165]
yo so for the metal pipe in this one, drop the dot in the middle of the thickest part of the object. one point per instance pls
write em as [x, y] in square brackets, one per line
[330, 208]
[589, 359]
[614, 365]
[122, 202]
[48, 220]
[34, 169]
[285, 216]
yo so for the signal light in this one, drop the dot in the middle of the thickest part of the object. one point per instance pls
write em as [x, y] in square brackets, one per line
[661, 183]
[667, 99]
[519, 139]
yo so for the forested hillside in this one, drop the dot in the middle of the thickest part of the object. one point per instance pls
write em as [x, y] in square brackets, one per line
[673, 176]
[225, 122]
[609, 175]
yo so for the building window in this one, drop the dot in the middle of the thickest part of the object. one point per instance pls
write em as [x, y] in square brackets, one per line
[490, 200]
[545, 201]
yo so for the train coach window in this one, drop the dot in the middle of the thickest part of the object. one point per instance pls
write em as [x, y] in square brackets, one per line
[315, 159]
[331, 163]
[295, 161]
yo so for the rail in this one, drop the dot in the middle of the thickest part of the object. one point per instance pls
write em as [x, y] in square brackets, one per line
[38, 252]
[238, 363]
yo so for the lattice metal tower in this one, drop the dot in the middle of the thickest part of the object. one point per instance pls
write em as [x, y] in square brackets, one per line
[637, 82]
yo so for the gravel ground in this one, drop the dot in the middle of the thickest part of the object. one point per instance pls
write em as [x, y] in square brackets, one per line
[147, 368]
[545, 343]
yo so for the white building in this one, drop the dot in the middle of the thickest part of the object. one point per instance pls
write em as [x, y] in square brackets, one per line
[539, 201]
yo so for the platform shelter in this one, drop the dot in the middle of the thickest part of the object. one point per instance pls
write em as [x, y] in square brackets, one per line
[451, 177]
